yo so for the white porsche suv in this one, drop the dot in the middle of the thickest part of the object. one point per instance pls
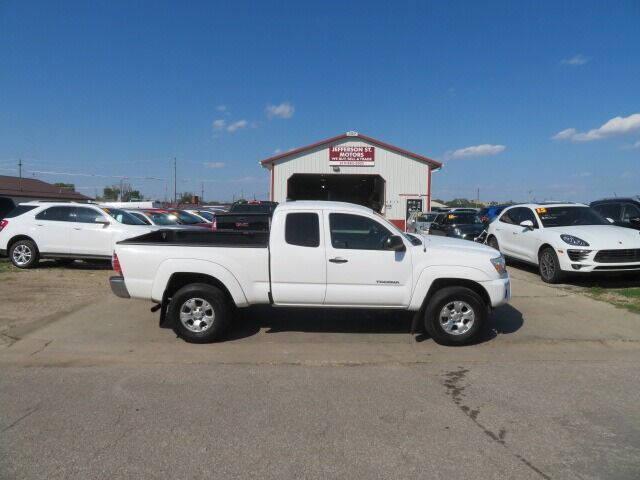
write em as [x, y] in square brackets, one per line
[64, 231]
[562, 238]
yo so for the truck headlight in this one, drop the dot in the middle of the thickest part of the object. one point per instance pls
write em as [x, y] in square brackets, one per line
[500, 265]
[575, 241]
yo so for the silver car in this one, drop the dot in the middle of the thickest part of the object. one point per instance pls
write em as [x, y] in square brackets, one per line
[420, 222]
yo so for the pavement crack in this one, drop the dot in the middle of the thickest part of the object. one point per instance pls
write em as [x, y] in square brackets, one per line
[16, 422]
[454, 383]
[46, 344]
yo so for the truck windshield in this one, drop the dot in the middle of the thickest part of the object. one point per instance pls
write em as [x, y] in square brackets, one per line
[569, 216]
[414, 240]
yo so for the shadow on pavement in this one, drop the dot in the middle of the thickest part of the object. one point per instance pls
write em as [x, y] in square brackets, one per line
[503, 320]
[76, 265]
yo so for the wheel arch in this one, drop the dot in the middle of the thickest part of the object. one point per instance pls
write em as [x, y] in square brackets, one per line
[543, 247]
[17, 238]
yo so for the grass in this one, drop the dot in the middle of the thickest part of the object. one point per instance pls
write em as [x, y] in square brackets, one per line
[5, 266]
[628, 298]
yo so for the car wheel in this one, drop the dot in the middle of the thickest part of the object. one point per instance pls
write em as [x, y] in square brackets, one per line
[199, 312]
[549, 266]
[24, 254]
[454, 316]
[493, 243]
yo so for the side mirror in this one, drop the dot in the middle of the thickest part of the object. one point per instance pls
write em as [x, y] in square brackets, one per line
[102, 221]
[394, 242]
[611, 220]
[528, 224]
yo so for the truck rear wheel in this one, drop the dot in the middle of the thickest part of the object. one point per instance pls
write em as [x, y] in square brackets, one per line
[199, 312]
[455, 316]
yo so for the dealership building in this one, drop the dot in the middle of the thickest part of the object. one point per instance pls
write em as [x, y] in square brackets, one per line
[358, 169]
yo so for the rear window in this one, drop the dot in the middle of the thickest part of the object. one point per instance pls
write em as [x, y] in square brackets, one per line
[302, 229]
[19, 210]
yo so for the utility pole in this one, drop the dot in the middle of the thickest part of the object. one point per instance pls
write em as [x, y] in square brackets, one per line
[175, 182]
[478, 198]
[20, 173]
[202, 193]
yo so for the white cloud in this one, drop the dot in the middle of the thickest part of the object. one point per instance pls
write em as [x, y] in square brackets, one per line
[219, 124]
[576, 60]
[240, 124]
[477, 151]
[221, 108]
[284, 110]
[582, 175]
[214, 164]
[613, 127]
[276, 151]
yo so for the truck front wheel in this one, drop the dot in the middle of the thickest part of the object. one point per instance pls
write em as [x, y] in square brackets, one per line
[454, 316]
[199, 312]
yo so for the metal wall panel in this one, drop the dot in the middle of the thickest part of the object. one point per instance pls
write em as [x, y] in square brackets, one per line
[404, 176]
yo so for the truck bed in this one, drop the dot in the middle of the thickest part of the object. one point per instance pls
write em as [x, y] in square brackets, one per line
[202, 238]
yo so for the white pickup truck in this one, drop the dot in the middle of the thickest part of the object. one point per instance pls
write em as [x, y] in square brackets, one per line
[315, 254]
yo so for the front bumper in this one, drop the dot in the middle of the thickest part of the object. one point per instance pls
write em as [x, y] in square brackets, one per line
[499, 291]
[586, 263]
[118, 287]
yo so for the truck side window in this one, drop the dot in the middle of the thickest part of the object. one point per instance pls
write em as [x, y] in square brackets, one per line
[356, 232]
[302, 229]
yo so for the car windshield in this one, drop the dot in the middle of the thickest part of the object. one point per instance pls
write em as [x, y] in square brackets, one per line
[208, 215]
[463, 218]
[426, 218]
[187, 218]
[123, 217]
[163, 218]
[569, 216]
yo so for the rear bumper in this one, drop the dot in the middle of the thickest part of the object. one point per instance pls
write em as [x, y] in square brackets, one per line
[118, 287]
[499, 291]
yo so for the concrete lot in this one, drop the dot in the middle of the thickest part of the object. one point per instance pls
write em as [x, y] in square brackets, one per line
[100, 391]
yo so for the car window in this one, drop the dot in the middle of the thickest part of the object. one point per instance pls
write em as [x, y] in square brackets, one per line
[163, 218]
[207, 215]
[141, 217]
[87, 215]
[58, 214]
[302, 229]
[356, 232]
[507, 217]
[609, 210]
[569, 216]
[527, 214]
[19, 210]
[630, 211]
[122, 217]
[187, 218]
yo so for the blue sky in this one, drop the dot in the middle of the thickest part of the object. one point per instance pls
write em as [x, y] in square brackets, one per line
[120, 88]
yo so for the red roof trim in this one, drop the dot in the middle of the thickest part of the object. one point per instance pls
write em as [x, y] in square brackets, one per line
[388, 146]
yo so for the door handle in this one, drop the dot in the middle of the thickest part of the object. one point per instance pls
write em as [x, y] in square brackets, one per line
[77, 228]
[338, 260]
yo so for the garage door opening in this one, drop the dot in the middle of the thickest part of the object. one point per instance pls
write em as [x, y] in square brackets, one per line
[367, 190]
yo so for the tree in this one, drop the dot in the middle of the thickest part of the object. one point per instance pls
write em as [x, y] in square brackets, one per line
[113, 193]
[185, 197]
[70, 187]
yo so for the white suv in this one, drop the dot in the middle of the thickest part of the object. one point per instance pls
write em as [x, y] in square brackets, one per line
[564, 237]
[64, 231]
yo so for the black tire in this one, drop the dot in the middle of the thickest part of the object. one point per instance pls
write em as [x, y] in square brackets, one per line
[445, 297]
[199, 293]
[24, 254]
[493, 243]
[549, 266]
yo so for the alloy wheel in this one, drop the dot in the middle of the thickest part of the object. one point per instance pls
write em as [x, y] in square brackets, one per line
[457, 317]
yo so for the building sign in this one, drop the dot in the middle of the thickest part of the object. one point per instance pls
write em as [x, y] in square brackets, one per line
[351, 156]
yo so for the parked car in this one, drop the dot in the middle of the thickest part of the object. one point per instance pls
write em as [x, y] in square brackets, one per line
[460, 224]
[564, 238]
[187, 218]
[207, 216]
[419, 222]
[625, 212]
[255, 206]
[64, 231]
[462, 209]
[316, 254]
[157, 218]
[489, 214]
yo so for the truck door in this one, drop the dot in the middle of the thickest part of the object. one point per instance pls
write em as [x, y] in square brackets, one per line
[298, 263]
[360, 272]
